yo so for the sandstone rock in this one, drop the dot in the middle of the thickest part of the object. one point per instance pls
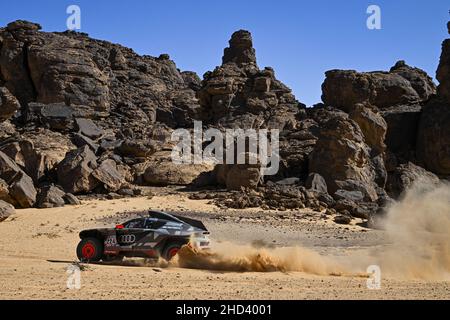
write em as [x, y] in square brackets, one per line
[88, 128]
[63, 70]
[135, 148]
[8, 104]
[368, 191]
[55, 116]
[4, 191]
[355, 196]
[405, 176]
[402, 85]
[108, 175]
[13, 53]
[8, 168]
[419, 79]
[345, 206]
[22, 191]
[433, 144]
[289, 181]
[372, 125]
[343, 219]
[80, 141]
[316, 182]
[38, 152]
[340, 154]
[443, 72]
[70, 199]
[243, 175]
[162, 171]
[6, 210]
[23, 25]
[75, 171]
[50, 197]
[241, 49]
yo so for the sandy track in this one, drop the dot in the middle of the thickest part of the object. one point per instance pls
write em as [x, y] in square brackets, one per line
[36, 247]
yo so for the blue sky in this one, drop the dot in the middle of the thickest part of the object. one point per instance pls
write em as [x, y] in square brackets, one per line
[299, 39]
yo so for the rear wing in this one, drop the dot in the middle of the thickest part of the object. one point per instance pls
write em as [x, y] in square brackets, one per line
[195, 223]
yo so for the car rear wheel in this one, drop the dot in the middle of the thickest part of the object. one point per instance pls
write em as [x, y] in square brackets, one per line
[171, 250]
[90, 250]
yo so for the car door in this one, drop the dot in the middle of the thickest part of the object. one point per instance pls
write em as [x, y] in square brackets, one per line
[145, 235]
[128, 235]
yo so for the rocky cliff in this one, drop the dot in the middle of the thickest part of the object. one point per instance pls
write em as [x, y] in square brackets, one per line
[79, 116]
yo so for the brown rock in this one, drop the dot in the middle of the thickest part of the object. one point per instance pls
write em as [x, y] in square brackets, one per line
[162, 171]
[433, 142]
[75, 171]
[8, 104]
[404, 177]
[109, 176]
[341, 154]
[372, 125]
[6, 210]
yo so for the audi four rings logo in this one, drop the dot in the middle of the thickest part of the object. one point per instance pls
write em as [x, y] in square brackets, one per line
[128, 238]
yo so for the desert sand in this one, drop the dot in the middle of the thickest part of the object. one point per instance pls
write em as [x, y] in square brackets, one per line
[311, 255]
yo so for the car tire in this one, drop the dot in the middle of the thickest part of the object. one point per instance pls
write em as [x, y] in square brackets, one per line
[90, 250]
[171, 250]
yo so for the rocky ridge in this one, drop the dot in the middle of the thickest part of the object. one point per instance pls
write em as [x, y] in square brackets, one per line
[82, 116]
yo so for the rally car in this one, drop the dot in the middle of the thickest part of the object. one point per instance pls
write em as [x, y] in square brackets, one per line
[155, 235]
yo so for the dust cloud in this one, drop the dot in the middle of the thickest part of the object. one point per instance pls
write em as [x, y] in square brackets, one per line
[226, 256]
[417, 234]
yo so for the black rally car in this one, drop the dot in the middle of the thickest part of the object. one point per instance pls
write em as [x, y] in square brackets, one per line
[158, 234]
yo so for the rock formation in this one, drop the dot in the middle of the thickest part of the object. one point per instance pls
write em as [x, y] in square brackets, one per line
[81, 116]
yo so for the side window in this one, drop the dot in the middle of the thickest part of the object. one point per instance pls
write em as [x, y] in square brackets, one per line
[135, 224]
[153, 223]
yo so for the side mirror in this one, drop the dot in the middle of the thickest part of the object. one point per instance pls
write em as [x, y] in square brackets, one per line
[119, 226]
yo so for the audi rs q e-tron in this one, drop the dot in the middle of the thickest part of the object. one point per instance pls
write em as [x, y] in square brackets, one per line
[158, 234]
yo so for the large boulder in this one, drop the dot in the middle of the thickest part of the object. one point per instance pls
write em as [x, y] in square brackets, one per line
[241, 49]
[8, 104]
[162, 171]
[341, 154]
[63, 70]
[13, 54]
[421, 82]
[75, 171]
[316, 182]
[50, 197]
[8, 168]
[108, 175]
[433, 144]
[443, 72]
[404, 177]
[88, 128]
[402, 85]
[372, 125]
[21, 191]
[243, 176]
[38, 152]
[4, 191]
[6, 210]
[55, 116]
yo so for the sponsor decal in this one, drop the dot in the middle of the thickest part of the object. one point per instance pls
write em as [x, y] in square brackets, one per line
[127, 238]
